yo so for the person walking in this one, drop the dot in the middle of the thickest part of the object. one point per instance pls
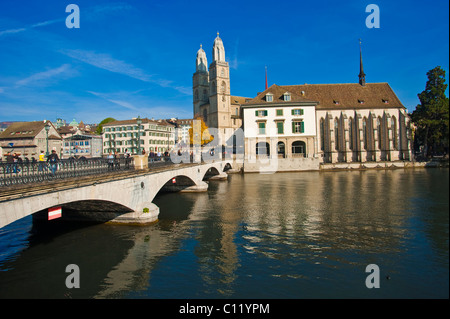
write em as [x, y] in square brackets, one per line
[110, 161]
[9, 162]
[42, 164]
[53, 159]
[127, 156]
[117, 160]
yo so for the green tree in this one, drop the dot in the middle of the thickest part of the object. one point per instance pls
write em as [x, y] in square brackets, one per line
[431, 116]
[99, 130]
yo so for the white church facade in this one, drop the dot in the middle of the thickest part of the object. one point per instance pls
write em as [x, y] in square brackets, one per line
[300, 127]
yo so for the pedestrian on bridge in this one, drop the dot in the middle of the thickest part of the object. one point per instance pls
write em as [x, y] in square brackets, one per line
[42, 164]
[110, 161]
[54, 160]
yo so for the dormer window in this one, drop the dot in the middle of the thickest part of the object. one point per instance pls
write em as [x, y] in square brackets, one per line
[385, 101]
[287, 97]
[361, 101]
[336, 102]
[269, 97]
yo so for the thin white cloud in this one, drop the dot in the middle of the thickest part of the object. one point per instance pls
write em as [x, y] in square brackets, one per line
[36, 25]
[41, 76]
[115, 101]
[12, 31]
[106, 62]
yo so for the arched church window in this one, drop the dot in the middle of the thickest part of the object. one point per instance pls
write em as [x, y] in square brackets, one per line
[379, 133]
[223, 87]
[394, 132]
[322, 134]
[350, 132]
[336, 133]
[365, 133]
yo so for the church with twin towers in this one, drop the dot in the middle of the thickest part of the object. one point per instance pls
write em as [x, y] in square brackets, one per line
[303, 126]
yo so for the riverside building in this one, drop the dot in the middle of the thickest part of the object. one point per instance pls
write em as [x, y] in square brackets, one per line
[304, 126]
[150, 135]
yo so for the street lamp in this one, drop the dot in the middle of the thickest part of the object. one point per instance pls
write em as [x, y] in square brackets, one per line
[139, 122]
[47, 128]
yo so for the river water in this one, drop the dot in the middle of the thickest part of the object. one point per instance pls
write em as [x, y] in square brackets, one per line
[284, 235]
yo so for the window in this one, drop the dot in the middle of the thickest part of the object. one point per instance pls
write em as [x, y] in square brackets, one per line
[261, 113]
[365, 133]
[297, 112]
[269, 97]
[298, 127]
[262, 148]
[262, 127]
[336, 133]
[322, 134]
[299, 147]
[279, 112]
[380, 144]
[280, 127]
[394, 132]
[287, 97]
[350, 132]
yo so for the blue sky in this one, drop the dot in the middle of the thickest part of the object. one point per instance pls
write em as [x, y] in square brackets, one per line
[131, 58]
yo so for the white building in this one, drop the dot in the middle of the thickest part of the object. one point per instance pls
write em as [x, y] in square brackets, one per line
[153, 136]
[279, 123]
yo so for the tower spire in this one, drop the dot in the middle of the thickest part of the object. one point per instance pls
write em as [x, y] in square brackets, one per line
[362, 75]
[266, 78]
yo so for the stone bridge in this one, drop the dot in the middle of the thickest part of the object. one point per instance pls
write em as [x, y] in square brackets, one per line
[121, 198]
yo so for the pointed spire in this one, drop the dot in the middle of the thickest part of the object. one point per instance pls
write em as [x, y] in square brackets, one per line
[266, 79]
[362, 75]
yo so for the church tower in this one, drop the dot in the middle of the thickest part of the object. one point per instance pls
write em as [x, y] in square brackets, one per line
[219, 88]
[201, 84]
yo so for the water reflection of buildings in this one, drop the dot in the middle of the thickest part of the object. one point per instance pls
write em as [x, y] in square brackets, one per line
[312, 216]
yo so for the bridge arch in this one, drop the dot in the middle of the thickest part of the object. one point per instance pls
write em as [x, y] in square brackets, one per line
[134, 192]
[87, 210]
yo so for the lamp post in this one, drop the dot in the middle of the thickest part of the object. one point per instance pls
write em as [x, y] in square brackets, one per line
[47, 128]
[139, 122]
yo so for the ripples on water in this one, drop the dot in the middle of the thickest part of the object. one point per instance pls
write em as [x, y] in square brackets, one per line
[286, 235]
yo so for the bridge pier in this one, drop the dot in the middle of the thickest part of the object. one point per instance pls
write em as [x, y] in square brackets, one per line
[221, 177]
[146, 213]
[198, 188]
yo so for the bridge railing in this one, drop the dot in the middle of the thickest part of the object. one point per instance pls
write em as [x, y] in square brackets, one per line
[23, 173]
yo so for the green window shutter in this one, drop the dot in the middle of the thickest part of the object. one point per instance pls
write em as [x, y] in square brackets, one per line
[256, 113]
[301, 111]
[302, 127]
[265, 113]
[293, 127]
[280, 127]
[292, 113]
